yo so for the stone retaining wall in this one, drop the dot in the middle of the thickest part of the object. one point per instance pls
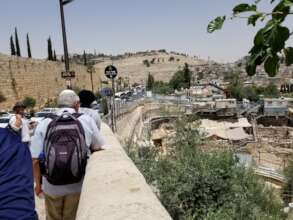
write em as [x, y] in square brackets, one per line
[39, 79]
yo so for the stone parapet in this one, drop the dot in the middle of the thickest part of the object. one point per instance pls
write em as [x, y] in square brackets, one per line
[115, 189]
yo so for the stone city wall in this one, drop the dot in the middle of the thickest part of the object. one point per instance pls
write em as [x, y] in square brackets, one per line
[39, 79]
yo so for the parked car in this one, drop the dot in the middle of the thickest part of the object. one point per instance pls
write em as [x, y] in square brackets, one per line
[39, 116]
[4, 120]
[50, 110]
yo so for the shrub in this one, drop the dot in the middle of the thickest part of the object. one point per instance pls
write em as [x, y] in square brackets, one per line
[146, 63]
[51, 103]
[29, 102]
[104, 106]
[2, 97]
[171, 59]
[153, 61]
[194, 184]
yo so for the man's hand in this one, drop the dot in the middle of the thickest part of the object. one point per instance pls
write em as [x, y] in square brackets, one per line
[38, 189]
[37, 177]
[18, 121]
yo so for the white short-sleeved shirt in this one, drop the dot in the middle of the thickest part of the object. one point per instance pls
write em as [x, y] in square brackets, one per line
[25, 133]
[92, 113]
[94, 141]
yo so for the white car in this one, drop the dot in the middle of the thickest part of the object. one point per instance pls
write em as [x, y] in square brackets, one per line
[4, 120]
[50, 110]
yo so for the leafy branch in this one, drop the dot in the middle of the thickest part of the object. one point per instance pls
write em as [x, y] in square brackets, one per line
[270, 41]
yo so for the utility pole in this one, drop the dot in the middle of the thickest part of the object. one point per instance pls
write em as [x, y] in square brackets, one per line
[68, 75]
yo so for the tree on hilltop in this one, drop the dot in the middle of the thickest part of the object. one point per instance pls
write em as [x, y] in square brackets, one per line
[187, 75]
[18, 53]
[270, 41]
[12, 47]
[50, 51]
[54, 56]
[84, 58]
[29, 53]
[150, 82]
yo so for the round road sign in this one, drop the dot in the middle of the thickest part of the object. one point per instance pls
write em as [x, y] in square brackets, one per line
[111, 72]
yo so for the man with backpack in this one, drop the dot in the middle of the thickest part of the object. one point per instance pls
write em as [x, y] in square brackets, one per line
[65, 140]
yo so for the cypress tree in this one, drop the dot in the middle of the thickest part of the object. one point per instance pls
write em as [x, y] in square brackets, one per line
[50, 52]
[18, 53]
[187, 75]
[55, 56]
[12, 47]
[84, 58]
[150, 82]
[29, 53]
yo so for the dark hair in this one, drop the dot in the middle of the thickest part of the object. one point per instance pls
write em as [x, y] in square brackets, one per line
[86, 98]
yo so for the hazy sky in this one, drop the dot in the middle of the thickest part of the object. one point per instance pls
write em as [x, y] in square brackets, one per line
[118, 26]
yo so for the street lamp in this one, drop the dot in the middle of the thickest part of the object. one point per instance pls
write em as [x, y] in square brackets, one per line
[67, 74]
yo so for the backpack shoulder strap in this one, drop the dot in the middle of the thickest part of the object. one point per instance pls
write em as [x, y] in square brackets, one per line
[77, 115]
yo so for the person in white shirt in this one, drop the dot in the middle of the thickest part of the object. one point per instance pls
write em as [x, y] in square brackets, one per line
[56, 195]
[87, 101]
[19, 123]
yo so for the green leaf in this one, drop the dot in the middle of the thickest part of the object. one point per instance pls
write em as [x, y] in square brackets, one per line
[272, 65]
[288, 55]
[216, 24]
[243, 8]
[253, 18]
[259, 38]
[250, 69]
[277, 37]
[281, 11]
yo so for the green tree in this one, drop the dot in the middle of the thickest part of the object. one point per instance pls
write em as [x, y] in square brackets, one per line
[150, 82]
[2, 97]
[162, 88]
[104, 106]
[54, 56]
[178, 81]
[29, 53]
[270, 41]
[84, 58]
[251, 93]
[50, 51]
[271, 91]
[288, 188]
[12, 47]
[18, 53]
[98, 95]
[187, 75]
[146, 63]
[194, 184]
[29, 102]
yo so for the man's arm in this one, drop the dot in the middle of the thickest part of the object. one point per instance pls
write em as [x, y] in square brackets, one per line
[36, 149]
[37, 176]
[98, 141]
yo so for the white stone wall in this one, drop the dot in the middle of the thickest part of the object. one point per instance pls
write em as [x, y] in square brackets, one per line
[115, 189]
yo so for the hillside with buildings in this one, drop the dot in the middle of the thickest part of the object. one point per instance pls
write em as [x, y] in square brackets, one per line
[136, 67]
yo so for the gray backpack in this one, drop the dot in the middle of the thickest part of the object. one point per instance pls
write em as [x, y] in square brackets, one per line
[65, 150]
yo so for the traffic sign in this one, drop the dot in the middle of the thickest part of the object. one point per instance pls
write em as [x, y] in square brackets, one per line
[70, 74]
[111, 72]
